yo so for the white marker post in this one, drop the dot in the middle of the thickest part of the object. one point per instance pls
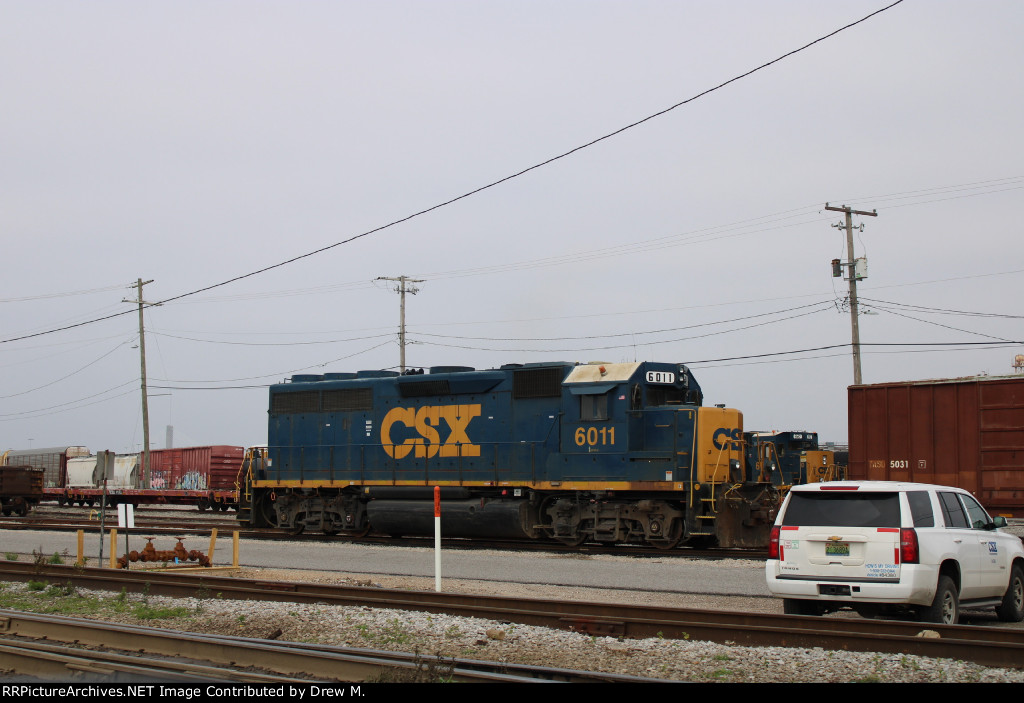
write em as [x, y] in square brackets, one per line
[126, 521]
[437, 538]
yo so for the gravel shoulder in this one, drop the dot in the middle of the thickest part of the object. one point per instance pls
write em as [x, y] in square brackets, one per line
[449, 636]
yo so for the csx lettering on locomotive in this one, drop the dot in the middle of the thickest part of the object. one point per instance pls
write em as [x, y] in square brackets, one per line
[734, 433]
[426, 422]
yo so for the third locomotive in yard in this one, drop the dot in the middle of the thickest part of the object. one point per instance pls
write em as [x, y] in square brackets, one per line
[614, 453]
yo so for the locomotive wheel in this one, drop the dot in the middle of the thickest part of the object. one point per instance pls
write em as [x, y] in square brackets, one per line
[573, 540]
[666, 543]
[264, 511]
[360, 533]
[672, 540]
[297, 530]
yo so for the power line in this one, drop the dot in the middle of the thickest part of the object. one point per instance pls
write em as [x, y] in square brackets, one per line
[488, 186]
[943, 311]
[826, 304]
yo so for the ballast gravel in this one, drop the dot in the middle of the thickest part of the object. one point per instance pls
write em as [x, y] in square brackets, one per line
[451, 636]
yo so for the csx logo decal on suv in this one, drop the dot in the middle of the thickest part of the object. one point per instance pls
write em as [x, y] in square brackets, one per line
[426, 422]
[726, 434]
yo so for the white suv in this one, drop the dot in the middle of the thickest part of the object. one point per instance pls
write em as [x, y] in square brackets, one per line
[876, 546]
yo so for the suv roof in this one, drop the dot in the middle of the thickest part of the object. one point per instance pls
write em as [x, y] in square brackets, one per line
[873, 486]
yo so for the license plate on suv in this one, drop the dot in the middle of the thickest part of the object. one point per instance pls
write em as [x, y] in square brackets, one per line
[837, 549]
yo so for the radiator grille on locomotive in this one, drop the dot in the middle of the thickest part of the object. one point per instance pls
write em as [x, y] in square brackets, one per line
[297, 402]
[347, 399]
[538, 383]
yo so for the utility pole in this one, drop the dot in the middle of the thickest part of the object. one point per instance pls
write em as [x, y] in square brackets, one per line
[402, 290]
[854, 275]
[145, 400]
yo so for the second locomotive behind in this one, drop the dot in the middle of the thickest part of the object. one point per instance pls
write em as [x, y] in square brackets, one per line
[614, 453]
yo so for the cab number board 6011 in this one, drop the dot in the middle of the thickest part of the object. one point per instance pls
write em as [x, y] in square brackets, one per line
[594, 436]
[661, 377]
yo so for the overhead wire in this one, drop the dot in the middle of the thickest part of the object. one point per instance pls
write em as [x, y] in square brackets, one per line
[482, 188]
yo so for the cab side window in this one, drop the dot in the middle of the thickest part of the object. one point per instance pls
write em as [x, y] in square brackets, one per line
[594, 407]
[952, 511]
[975, 513]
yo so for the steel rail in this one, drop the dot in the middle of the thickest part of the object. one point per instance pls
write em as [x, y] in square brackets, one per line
[200, 526]
[285, 661]
[1002, 647]
[54, 661]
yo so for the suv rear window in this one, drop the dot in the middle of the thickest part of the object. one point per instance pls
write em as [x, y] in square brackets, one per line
[921, 508]
[842, 509]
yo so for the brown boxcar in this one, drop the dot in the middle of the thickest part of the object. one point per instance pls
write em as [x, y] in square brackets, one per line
[21, 487]
[966, 432]
[194, 468]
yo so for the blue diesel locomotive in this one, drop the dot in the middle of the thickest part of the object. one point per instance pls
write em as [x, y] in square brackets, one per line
[790, 458]
[598, 452]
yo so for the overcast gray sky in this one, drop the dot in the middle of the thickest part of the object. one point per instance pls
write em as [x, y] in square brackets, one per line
[194, 142]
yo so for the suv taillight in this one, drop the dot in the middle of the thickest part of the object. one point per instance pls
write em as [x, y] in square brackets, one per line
[909, 553]
[773, 543]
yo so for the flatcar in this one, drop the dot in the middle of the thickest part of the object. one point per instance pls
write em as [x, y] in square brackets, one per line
[202, 476]
[596, 452]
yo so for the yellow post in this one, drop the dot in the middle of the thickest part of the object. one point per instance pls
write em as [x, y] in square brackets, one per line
[234, 549]
[213, 542]
[113, 547]
[80, 561]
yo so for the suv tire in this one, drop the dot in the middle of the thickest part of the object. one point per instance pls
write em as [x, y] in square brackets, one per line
[1012, 607]
[945, 609]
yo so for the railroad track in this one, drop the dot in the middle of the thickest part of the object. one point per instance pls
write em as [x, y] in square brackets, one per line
[989, 646]
[204, 524]
[56, 646]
